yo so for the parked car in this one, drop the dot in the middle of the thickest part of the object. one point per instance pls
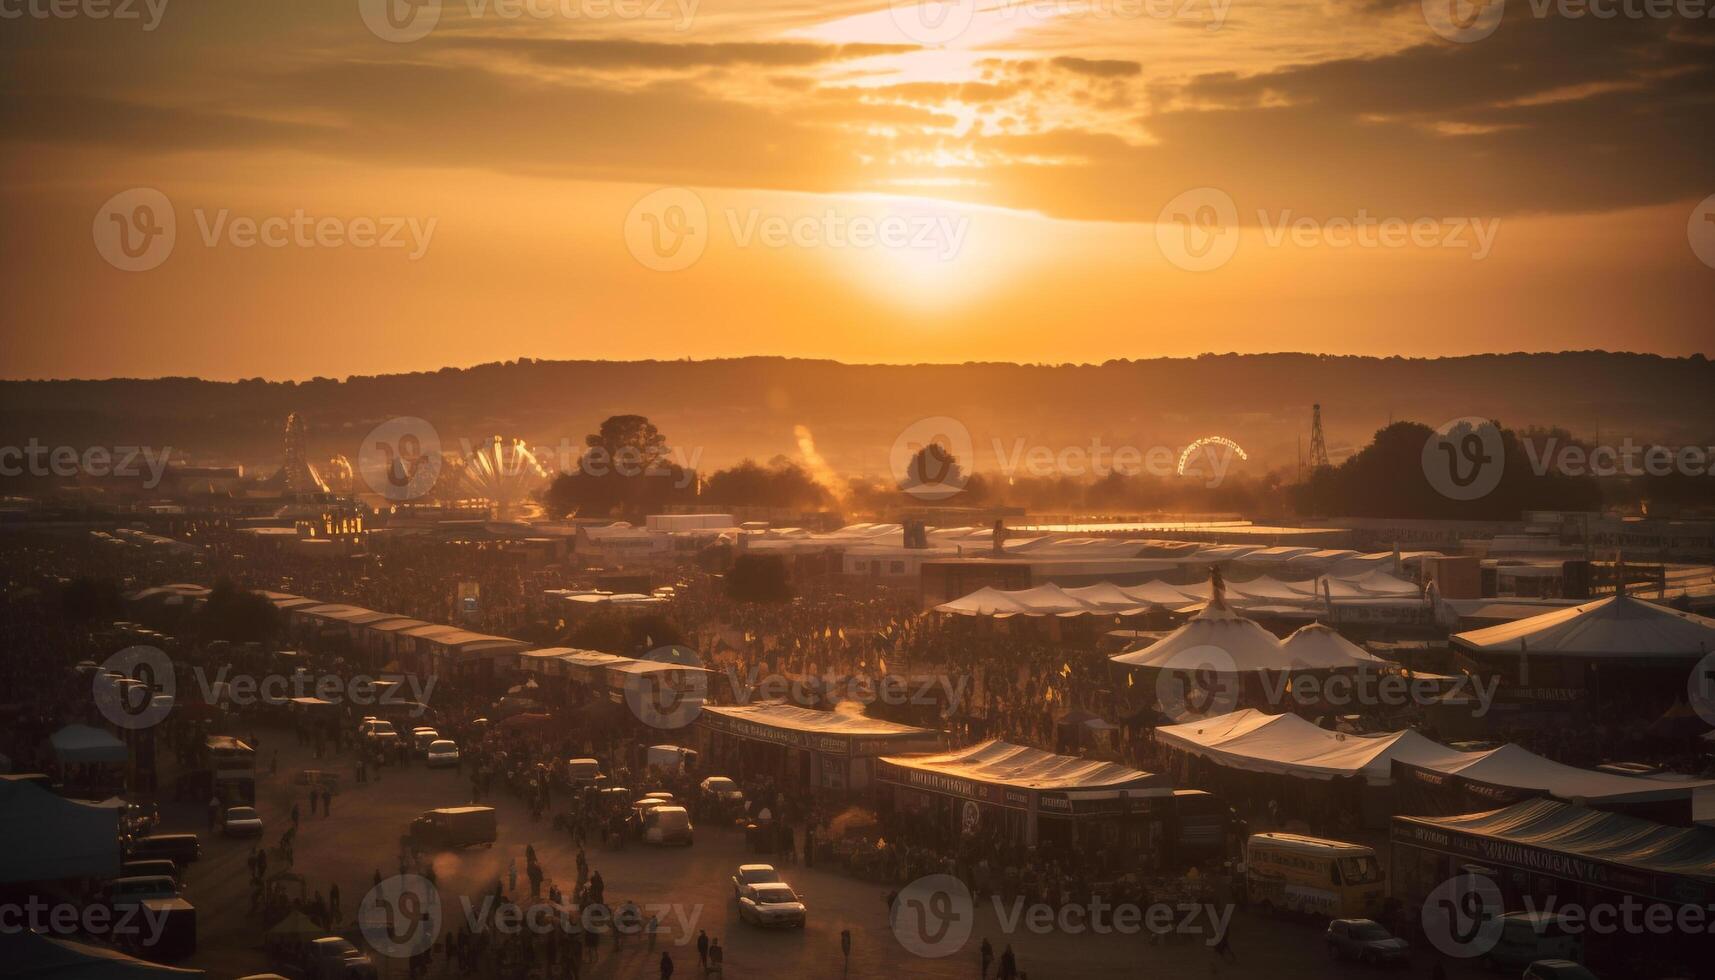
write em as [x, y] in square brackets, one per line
[421, 738]
[150, 866]
[1526, 937]
[722, 791]
[442, 752]
[640, 809]
[773, 905]
[1366, 941]
[331, 957]
[181, 849]
[750, 875]
[1557, 970]
[132, 891]
[241, 821]
[377, 729]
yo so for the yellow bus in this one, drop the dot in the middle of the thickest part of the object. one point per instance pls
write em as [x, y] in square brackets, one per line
[1326, 878]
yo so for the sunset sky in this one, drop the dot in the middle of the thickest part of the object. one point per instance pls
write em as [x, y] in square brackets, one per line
[1032, 160]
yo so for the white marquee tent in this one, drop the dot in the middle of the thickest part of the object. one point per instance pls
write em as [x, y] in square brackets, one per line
[1288, 745]
[1108, 599]
[1619, 626]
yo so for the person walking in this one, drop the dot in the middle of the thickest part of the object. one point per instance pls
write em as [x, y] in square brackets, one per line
[1224, 947]
[987, 958]
[333, 900]
[703, 952]
[716, 954]
[846, 951]
[1008, 964]
[666, 965]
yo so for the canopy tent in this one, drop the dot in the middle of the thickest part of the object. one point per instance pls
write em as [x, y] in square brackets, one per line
[1287, 745]
[998, 763]
[53, 837]
[38, 957]
[1211, 639]
[1618, 627]
[1217, 636]
[1671, 858]
[1108, 599]
[1319, 647]
[831, 732]
[1516, 767]
[83, 744]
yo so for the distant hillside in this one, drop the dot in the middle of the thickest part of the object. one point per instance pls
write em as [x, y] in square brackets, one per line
[730, 409]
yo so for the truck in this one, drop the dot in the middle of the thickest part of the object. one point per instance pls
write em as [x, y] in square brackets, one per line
[176, 920]
[453, 826]
[1328, 879]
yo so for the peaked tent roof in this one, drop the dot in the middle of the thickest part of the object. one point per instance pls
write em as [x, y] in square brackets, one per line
[1020, 766]
[1518, 767]
[1617, 626]
[1288, 745]
[1612, 838]
[1322, 647]
[81, 743]
[1217, 635]
[1209, 639]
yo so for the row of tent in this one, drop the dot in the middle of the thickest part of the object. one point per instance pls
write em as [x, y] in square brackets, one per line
[1288, 745]
[1108, 599]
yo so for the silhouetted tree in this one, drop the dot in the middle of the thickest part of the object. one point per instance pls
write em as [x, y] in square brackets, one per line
[625, 469]
[782, 483]
[238, 615]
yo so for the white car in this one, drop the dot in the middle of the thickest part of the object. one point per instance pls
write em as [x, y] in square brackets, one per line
[773, 904]
[241, 821]
[750, 875]
[442, 752]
